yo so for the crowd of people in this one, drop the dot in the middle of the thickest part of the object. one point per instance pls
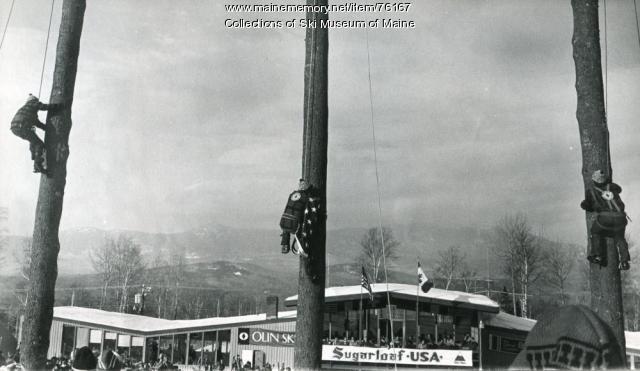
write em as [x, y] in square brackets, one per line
[85, 359]
[238, 365]
[446, 341]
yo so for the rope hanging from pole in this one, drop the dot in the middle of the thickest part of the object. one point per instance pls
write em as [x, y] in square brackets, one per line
[4, 33]
[606, 63]
[375, 160]
[46, 48]
[635, 8]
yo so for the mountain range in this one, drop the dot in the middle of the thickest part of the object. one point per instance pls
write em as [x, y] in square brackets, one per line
[261, 247]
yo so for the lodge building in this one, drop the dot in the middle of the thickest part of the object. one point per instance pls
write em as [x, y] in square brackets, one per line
[357, 330]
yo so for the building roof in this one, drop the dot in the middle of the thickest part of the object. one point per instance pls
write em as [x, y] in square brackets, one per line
[408, 292]
[632, 341]
[142, 325]
[508, 321]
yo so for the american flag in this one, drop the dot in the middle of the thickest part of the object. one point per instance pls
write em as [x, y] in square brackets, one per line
[364, 282]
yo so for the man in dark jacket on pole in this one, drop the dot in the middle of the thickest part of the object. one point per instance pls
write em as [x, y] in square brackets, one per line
[603, 198]
[24, 125]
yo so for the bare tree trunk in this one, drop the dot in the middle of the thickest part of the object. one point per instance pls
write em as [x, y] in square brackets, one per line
[311, 274]
[103, 295]
[46, 244]
[525, 288]
[513, 293]
[606, 291]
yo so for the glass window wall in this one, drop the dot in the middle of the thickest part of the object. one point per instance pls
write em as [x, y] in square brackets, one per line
[95, 339]
[68, 338]
[135, 352]
[209, 348]
[195, 348]
[151, 355]
[180, 349]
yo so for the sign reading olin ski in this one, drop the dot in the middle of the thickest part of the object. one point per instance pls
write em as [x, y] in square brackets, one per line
[404, 356]
[258, 336]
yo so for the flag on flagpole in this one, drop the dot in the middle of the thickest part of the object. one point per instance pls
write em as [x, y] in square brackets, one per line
[364, 282]
[423, 282]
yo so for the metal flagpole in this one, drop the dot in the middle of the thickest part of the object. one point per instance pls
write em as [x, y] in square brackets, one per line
[360, 316]
[418, 308]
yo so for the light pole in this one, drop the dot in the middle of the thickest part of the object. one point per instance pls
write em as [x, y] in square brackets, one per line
[480, 327]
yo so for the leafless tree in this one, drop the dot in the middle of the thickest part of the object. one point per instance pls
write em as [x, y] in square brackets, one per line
[468, 276]
[630, 292]
[372, 256]
[451, 263]
[4, 216]
[559, 264]
[129, 266]
[104, 262]
[118, 262]
[521, 254]
[176, 273]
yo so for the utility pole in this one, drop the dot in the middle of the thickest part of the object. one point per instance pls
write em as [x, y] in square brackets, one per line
[43, 270]
[311, 275]
[606, 292]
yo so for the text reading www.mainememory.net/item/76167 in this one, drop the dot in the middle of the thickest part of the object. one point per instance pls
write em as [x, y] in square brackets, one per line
[389, 15]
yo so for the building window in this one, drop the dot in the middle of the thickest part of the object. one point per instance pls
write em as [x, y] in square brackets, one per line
[195, 348]
[180, 349]
[224, 338]
[68, 339]
[209, 348]
[95, 339]
[110, 341]
[474, 333]
[493, 342]
[137, 343]
[165, 347]
[152, 350]
[123, 345]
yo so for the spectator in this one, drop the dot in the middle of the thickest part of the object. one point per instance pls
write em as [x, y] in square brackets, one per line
[83, 359]
[163, 363]
[450, 342]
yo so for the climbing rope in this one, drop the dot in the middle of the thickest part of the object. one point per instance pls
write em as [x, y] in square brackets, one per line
[635, 8]
[606, 62]
[310, 101]
[46, 48]
[375, 161]
[4, 33]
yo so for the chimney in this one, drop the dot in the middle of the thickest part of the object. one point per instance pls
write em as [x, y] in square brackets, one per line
[272, 307]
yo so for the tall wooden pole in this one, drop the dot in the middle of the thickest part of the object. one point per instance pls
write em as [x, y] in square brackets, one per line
[606, 292]
[43, 270]
[311, 276]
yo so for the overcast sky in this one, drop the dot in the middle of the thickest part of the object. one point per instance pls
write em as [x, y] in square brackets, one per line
[180, 122]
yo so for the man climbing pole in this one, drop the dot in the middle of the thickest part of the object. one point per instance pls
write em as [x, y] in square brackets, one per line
[24, 125]
[299, 218]
[603, 198]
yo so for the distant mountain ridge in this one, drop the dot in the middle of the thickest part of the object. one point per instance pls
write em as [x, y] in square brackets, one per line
[261, 247]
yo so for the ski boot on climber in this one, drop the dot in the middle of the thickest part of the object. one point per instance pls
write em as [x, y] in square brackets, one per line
[603, 198]
[24, 125]
[299, 219]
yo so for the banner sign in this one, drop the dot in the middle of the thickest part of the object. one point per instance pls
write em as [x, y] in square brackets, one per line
[258, 336]
[402, 356]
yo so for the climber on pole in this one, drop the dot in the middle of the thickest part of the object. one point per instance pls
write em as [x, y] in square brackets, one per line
[603, 198]
[299, 219]
[24, 125]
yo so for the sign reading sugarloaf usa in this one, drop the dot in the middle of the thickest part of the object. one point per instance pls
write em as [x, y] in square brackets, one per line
[425, 357]
[258, 336]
